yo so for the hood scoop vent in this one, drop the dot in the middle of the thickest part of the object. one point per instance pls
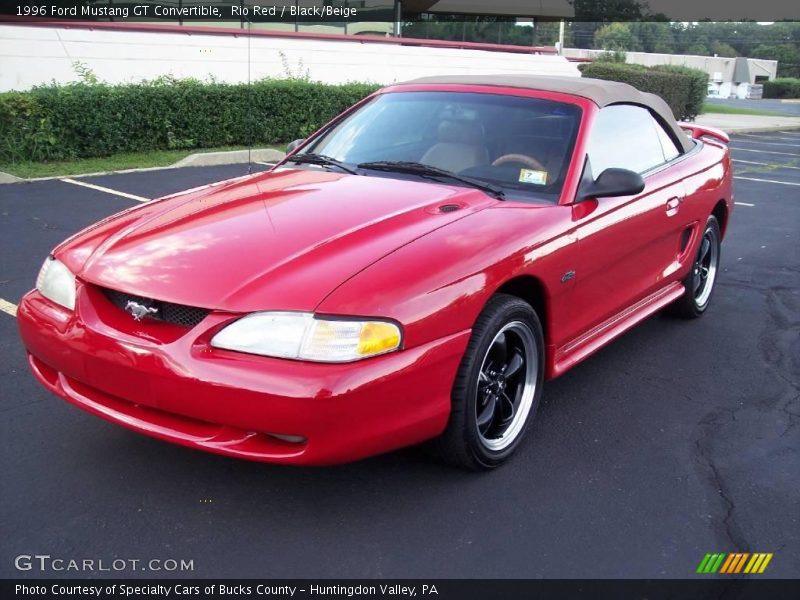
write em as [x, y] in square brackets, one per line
[448, 208]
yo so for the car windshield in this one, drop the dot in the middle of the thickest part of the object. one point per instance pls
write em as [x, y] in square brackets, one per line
[520, 145]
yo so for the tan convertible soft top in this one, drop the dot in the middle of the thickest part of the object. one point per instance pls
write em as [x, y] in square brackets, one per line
[599, 91]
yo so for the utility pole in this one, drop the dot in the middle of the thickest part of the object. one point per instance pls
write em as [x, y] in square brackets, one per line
[398, 18]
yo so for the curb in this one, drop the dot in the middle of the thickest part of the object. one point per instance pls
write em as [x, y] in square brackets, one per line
[9, 178]
[209, 159]
[198, 159]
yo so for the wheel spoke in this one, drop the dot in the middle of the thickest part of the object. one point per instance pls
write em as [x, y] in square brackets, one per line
[515, 364]
[696, 283]
[499, 350]
[706, 246]
[486, 415]
[507, 408]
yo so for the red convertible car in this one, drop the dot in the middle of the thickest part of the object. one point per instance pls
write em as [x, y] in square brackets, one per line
[413, 271]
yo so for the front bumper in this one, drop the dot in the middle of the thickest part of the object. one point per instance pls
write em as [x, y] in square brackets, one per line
[170, 384]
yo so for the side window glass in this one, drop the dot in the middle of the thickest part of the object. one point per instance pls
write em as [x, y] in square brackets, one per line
[626, 137]
[667, 145]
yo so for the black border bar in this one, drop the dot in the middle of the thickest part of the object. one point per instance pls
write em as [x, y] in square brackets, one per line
[702, 587]
[231, 10]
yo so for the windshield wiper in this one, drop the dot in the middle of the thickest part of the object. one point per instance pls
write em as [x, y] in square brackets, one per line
[322, 160]
[416, 168]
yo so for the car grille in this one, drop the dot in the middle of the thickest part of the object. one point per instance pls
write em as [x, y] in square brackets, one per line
[177, 314]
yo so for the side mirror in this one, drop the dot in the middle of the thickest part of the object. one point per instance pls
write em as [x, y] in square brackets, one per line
[294, 145]
[612, 182]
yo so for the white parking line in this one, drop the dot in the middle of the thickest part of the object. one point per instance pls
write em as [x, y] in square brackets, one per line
[100, 188]
[735, 149]
[751, 162]
[761, 137]
[8, 307]
[767, 143]
[765, 180]
[744, 204]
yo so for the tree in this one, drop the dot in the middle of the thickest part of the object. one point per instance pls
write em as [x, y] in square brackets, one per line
[653, 36]
[787, 55]
[615, 37]
[546, 33]
[723, 49]
[697, 49]
[487, 29]
[590, 15]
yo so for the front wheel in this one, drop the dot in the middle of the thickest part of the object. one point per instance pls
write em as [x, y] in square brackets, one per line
[699, 283]
[498, 385]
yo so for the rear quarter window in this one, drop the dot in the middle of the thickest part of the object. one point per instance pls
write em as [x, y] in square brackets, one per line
[628, 137]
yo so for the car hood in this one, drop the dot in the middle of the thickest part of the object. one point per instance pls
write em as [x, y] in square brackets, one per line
[278, 240]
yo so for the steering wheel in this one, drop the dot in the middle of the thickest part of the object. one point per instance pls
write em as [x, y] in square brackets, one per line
[526, 160]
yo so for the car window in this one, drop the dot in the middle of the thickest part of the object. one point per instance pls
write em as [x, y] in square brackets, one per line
[382, 126]
[628, 137]
[667, 143]
[522, 144]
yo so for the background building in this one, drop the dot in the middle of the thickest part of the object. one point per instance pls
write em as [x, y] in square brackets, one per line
[728, 77]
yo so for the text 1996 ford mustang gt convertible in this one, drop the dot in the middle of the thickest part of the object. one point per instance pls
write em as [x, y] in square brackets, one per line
[413, 271]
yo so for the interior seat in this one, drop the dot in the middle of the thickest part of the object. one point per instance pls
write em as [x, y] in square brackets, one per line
[460, 145]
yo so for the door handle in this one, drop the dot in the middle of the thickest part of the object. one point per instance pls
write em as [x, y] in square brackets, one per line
[672, 207]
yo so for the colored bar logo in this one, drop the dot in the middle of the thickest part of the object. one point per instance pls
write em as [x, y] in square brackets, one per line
[734, 562]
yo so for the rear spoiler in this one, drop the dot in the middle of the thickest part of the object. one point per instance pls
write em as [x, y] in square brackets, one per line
[701, 131]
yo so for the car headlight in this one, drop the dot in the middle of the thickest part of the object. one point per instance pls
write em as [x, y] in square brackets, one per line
[304, 336]
[57, 283]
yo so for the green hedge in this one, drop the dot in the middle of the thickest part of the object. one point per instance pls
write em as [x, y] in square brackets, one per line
[682, 88]
[782, 87]
[697, 89]
[91, 120]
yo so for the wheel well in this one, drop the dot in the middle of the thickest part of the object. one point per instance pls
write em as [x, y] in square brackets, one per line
[721, 213]
[531, 290]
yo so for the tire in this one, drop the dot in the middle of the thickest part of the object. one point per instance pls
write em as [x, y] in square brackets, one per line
[700, 280]
[497, 388]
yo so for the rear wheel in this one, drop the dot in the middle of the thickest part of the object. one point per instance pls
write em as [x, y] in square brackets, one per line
[498, 385]
[699, 283]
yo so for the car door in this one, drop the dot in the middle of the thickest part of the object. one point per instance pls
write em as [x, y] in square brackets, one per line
[627, 244]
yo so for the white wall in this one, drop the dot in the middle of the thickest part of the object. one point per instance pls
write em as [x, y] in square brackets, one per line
[35, 55]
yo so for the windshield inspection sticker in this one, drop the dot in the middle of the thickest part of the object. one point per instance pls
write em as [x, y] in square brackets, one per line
[530, 176]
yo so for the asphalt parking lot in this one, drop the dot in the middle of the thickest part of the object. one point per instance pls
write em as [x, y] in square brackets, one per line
[681, 438]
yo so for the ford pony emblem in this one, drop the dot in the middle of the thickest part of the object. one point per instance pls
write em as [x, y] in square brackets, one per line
[139, 311]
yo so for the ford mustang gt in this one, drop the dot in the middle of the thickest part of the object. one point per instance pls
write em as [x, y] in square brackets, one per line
[413, 271]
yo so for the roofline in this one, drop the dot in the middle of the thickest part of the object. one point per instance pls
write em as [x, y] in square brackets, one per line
[450, 84]
[447, 86]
